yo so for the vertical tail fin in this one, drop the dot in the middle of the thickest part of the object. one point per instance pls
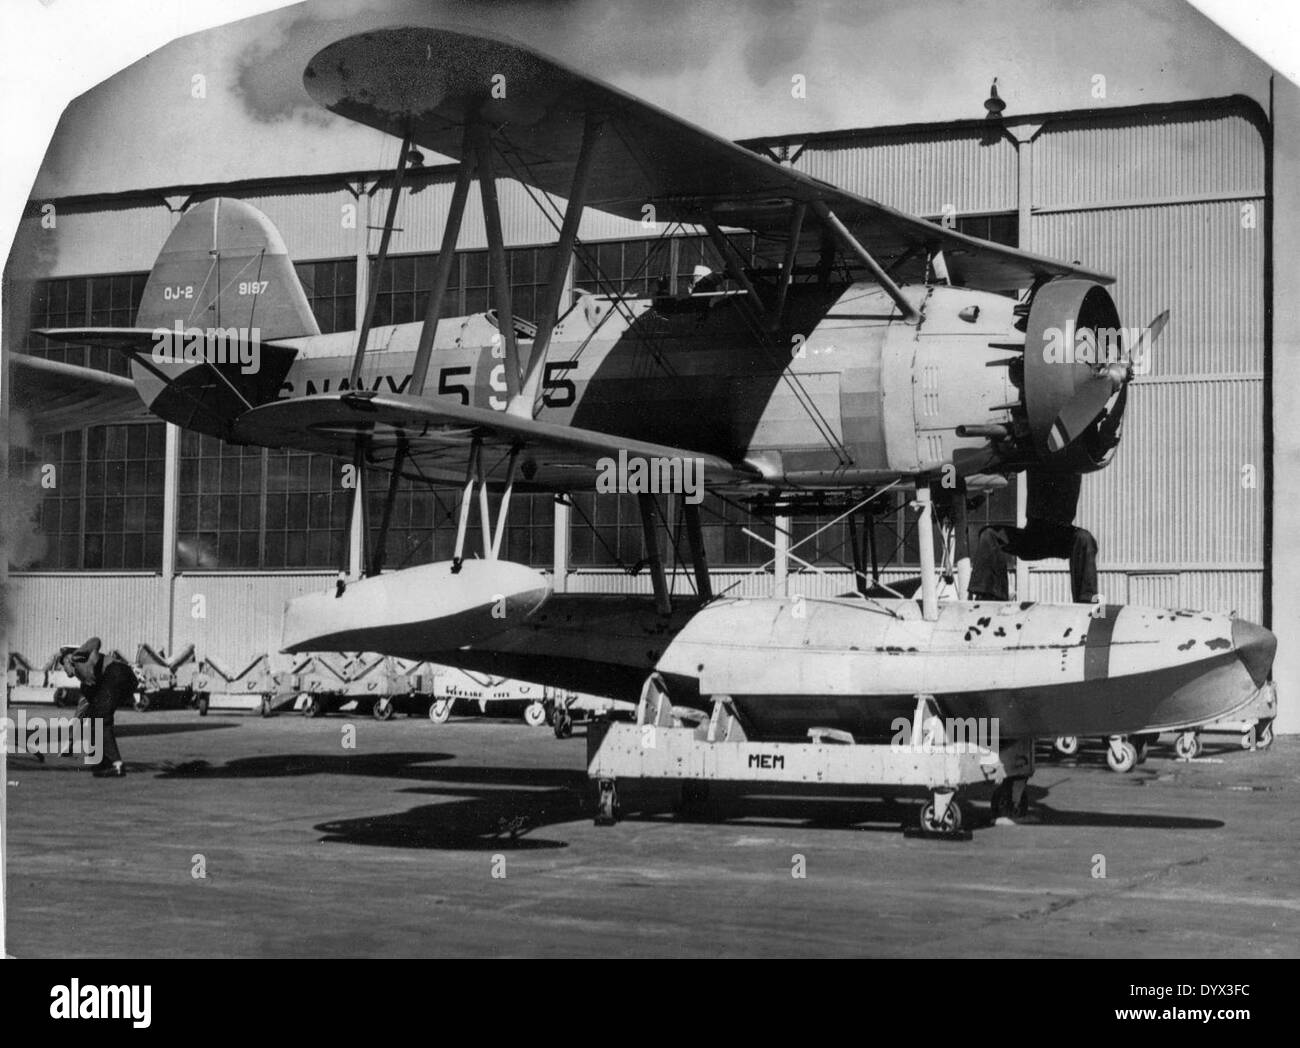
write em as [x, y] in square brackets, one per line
[222, 280]
[223, 266]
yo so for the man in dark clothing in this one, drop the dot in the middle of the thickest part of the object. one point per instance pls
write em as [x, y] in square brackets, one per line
[1048, 532]
[105, 686]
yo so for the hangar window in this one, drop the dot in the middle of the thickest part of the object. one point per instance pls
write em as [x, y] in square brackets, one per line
[406, 282]
[422, 528]
[635, 267]
[605, 532]
[104, 511]
[306, 511]
[625, 267]
[250, 508]
[331, 289]
[99, 301]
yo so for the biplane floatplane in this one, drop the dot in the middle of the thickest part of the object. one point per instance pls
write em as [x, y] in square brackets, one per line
[884, 350]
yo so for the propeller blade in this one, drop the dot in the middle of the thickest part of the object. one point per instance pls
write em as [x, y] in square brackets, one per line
[1081, 411]
[1146, 342]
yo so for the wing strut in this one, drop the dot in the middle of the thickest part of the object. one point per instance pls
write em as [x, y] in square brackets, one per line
[851, 244]
[797, 214]
[526, 403]
[500, 268]
[377, 267]
[663, 603]
[442, 269]
[735, 264]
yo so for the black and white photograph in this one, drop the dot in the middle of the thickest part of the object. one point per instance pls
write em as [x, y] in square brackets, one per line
[697, 479]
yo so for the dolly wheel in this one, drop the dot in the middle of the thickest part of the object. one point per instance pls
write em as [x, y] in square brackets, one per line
[535, 715]
[383, 709]
[440, 711]
[1122, 757]
[606, 803]
[1187, 746]
[562, 722]
[1067, 745]
[949, 824]
[202, 703]
[267, 708]
[142, 701]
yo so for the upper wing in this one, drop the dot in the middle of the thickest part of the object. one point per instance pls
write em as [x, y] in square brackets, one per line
[436, 439]
[55, 397]
[432, 79]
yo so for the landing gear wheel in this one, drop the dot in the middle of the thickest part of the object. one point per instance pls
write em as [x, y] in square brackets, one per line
[201, 703]
[1265, 739]
[535, 715]
[267, 708]
[440, 711]
[383, 709]
[1187, 746]
[1066, 745]
[948, 825]
[142, 702]
[1248, 738]
[562, 723]
[606, 803]
[1122, 758]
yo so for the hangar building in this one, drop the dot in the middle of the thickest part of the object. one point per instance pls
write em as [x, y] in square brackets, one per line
[1172, 199]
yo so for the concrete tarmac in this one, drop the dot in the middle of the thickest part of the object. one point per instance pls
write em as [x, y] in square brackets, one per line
[237, 836]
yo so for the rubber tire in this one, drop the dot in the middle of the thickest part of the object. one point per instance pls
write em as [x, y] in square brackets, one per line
[201, 703]
[535, 715]
[1066, 745]
[563, 726]
[440, 710]
[1127, 760]
[384, 709]
[142, 702]
[952, 818]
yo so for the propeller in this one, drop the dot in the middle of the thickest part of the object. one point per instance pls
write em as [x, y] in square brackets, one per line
[1093, 393]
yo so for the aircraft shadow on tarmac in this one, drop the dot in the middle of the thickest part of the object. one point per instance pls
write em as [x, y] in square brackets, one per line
[502, 808]
[123, 731]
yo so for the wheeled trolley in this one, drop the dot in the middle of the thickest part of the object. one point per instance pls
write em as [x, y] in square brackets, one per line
[659, 746]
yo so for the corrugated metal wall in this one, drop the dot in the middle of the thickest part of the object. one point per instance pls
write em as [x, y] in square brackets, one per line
[50, 610]
[242, 614]
[1148, 157]
[1184, 496]
[86, 242]
[921, 173]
